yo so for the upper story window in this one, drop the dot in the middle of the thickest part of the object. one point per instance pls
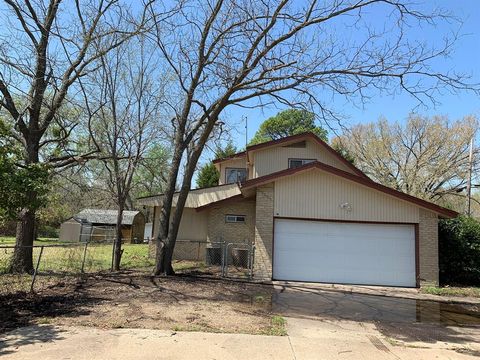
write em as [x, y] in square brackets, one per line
[235, 175]
[294, 163]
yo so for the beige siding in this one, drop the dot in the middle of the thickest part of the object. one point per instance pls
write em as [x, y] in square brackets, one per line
[318, 195]
[219, 230]
[234, 163]
[267, 161]
[193, 225]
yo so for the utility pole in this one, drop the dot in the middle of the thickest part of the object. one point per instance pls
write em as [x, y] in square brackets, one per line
[469, 181]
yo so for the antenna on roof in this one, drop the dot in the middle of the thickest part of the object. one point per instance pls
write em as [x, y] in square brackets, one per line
[246, 143]
[246, 130]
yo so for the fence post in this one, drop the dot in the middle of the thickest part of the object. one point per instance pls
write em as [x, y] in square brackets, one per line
[36, 268]
[252, 259]
[226, 259]
[84, 256]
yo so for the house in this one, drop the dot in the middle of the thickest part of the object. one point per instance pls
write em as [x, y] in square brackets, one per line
[99, 225]
[313, 216]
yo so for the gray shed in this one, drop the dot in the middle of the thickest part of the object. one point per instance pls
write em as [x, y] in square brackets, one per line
[99, 225]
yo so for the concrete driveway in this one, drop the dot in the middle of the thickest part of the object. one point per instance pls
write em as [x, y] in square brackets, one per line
[321, 325]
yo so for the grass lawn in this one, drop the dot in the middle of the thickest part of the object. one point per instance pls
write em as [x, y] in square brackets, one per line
[69, 258]
[10, 240]
[452, 291]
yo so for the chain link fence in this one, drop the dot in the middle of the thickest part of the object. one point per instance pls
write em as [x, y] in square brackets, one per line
[52, 262]
[219, 258]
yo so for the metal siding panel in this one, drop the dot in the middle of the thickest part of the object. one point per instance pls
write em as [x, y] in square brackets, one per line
[318, 195]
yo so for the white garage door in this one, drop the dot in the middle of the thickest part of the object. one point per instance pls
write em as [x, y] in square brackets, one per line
[347, 253]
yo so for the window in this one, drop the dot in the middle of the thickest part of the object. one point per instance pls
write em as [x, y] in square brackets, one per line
[235, 175]
[294, 163]
[235, 218]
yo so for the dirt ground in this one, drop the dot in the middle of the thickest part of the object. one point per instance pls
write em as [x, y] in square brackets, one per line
[133, 300]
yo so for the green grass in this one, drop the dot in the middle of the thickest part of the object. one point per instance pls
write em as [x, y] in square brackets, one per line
[10, 240]
[452, 291]
[277, 326]
[68, 259]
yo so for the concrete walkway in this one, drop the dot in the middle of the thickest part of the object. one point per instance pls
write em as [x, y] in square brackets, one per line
[308, 339]
[390, 292]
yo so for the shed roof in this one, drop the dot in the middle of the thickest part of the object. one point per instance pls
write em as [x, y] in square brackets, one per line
[197, 197]
[102, 216]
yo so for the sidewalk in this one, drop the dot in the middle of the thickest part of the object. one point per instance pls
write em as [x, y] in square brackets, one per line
[308, 340]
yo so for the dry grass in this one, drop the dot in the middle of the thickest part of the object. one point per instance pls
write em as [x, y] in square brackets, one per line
[133, 300]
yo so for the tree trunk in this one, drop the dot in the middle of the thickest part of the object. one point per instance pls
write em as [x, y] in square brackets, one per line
[22, 260]
[117, 245]
[164, 252]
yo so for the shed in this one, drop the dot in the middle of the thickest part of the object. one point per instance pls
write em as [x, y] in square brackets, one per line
[99, 225]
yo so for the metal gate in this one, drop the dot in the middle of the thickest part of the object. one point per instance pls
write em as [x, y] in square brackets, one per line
[235, 259]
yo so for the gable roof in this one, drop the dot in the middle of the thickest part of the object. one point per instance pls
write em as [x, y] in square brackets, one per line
[108, 217]
[346, 175]
[292, 139]
[230, 157]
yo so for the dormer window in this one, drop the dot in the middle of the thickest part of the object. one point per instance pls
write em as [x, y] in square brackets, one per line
[294, 163]
[235, 175]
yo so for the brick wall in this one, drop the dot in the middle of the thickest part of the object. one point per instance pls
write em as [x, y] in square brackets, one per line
[428, 247]
[264, 233]
[219, 230]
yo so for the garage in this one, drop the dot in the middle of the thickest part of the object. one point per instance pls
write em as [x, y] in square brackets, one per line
[344, 252]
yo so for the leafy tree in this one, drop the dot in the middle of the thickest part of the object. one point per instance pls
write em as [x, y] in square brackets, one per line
[426, 156]
[286, 123]
[459, 251]
[150, 177]
[208, 174]
[338, 146]
[16, 182]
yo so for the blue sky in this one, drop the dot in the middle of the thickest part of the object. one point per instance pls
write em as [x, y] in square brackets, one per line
[466, 58]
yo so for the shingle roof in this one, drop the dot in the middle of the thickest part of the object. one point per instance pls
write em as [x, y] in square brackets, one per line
[101, 216]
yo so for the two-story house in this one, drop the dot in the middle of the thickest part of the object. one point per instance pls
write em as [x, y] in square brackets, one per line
[313, 216]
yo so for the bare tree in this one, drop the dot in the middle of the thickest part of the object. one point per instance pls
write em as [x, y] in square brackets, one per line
[45, 47]
[123, 99]
[427, 157]
[247, 53]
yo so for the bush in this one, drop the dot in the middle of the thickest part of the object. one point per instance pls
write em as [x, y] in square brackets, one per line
[459, 251]
[47, 231]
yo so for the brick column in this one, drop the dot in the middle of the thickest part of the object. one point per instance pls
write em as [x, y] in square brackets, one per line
[428, 247]
[264, 232]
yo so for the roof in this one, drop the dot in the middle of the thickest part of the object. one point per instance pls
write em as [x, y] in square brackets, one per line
[101, 216]
[230, 157]
[291, 139]
[346, 175]
[198, 197]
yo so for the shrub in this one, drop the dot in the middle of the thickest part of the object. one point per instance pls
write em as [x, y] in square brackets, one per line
[47, 231]
[459, 251]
